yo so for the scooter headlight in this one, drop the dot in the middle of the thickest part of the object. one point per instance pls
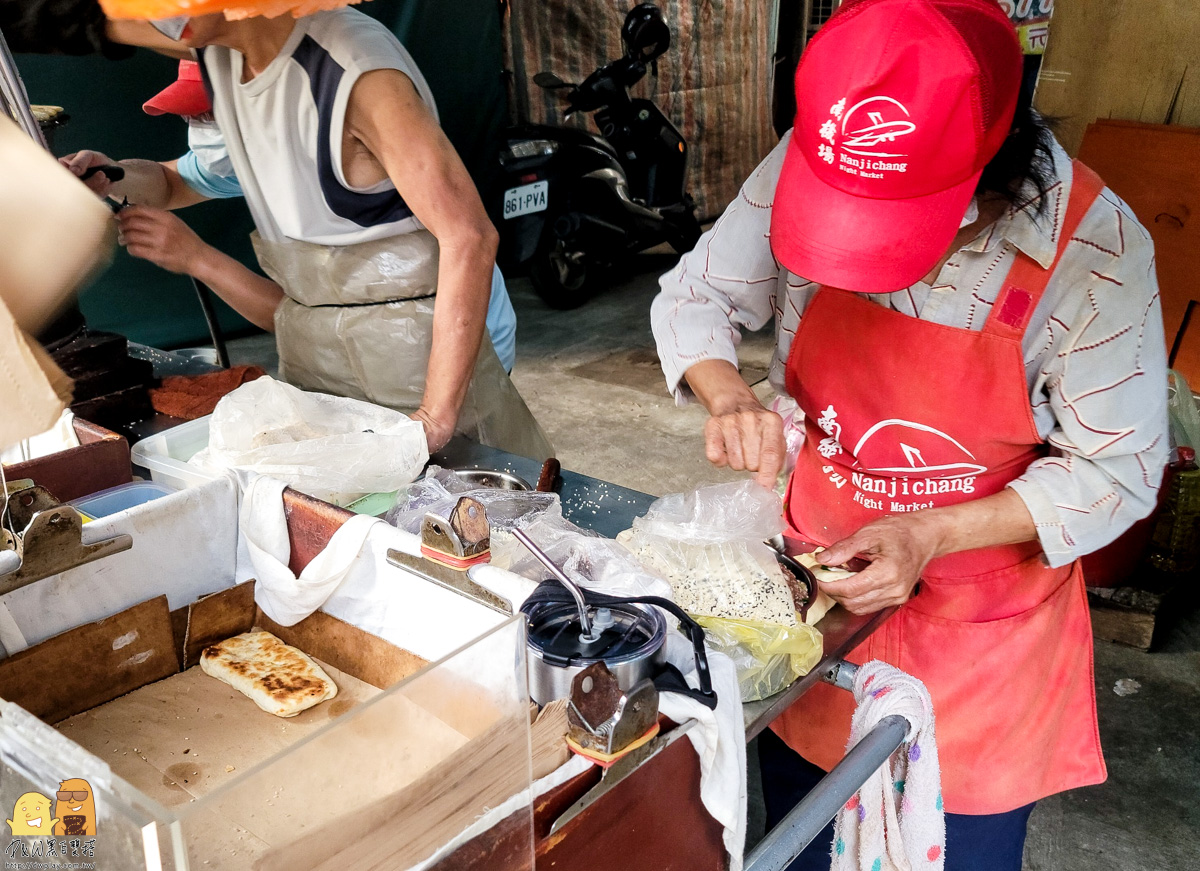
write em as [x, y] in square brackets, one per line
[527, 148]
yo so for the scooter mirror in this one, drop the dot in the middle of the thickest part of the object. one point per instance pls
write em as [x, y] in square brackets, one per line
[645, 33]
[549, 81]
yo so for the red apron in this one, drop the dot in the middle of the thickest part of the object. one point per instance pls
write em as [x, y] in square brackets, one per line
[903, 414]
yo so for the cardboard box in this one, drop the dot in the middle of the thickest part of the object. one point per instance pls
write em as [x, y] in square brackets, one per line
[187, 773]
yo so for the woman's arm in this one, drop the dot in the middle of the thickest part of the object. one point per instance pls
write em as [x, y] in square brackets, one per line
[900, 546]
[165, 240]
[146, 182]
[387, 115]
[728, 283]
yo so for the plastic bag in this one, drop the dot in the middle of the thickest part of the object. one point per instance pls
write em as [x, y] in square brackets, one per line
[440, 490]
[768, 657]
[588, 559]
[1181, 409]
[331, 447]
[708, 544]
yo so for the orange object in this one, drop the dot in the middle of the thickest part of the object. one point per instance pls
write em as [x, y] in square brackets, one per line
[606, 760]
[153, 10]
[1003, 643]
[1155, 169]
[457, 563]
[188, 397]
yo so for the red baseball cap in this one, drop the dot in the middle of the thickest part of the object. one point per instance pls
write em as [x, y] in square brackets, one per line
[185, 96]
[901, 104]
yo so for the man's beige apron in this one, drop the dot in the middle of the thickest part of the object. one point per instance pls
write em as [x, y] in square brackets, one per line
[358, 321]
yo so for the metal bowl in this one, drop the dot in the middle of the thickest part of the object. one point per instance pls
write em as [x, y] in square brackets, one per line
[492, 479]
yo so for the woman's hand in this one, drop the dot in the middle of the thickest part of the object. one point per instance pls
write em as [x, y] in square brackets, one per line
[898, 549]
[81, 161]
[747, 437]
[160, 237]
[741, 433]
[438, 430]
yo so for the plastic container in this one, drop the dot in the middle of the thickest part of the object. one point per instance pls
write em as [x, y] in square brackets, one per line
[165, 455]
[116, 499]
[1175, 544]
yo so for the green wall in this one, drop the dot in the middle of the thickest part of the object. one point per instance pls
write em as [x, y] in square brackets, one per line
[456, 46]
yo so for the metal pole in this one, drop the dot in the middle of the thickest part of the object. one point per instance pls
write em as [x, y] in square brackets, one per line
[805, 821]
[210, 318]
[14, 96]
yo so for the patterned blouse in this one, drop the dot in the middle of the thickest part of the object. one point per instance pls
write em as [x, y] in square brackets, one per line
[1095, 355]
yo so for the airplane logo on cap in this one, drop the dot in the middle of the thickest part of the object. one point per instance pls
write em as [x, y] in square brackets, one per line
[883, 125]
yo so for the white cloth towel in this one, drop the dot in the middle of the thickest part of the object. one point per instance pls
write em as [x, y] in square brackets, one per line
[895, 822]
[285, 598]
[719, 738]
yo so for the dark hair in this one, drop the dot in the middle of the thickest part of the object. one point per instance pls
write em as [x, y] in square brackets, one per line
[75, 27]
[1024, 159]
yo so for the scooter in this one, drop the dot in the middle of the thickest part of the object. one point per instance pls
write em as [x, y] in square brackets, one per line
[577, 202]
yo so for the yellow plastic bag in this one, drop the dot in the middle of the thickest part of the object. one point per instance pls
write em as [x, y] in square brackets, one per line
[768, 657]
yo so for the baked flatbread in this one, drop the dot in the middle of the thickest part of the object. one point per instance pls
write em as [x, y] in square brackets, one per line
[278, 678]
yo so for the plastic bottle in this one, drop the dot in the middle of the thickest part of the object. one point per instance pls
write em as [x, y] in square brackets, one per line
[1175, 544]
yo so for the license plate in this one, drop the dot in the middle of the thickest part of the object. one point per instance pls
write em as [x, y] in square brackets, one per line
[526, 199]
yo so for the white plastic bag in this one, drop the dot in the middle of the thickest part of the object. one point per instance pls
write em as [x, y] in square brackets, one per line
[439, 491]
[331, 447]
[708, 544]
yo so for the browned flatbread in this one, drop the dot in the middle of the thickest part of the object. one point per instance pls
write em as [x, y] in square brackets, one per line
[275, 676]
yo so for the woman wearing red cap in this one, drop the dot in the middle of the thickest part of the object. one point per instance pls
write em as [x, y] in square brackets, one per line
[970, 324]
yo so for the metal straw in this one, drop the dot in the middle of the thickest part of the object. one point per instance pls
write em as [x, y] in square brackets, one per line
[562, 578]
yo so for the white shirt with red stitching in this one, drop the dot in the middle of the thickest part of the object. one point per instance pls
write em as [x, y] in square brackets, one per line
[1095, 355]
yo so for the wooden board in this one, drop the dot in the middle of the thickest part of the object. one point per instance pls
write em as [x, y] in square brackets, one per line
[182, 737]
[1138, 613]
[92, 664]
[214, 618]
[1156, 170]
[368, 657]
[1128, 59]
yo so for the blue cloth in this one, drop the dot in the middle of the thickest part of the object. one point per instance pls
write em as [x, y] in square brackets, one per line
[204, 181]
[987, 842]
[502, 321]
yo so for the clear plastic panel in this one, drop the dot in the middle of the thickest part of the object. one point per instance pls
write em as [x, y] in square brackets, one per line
[130, 830]
[401, 781]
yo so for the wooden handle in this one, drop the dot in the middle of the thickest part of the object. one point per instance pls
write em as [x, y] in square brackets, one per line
[548, 480]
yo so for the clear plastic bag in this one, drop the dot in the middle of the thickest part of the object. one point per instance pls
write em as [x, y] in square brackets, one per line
[768, 657]
[709, 545]
[440, 489]
[1181, 408]
[331, 447]
[588, 559]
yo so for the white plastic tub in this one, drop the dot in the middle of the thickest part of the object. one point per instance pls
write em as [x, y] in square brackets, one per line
[166, 455]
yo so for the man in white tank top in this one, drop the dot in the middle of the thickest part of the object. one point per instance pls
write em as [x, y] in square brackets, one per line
[365, 215]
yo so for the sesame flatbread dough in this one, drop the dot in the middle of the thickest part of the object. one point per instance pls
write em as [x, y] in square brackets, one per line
[718, 581]
[275, 676]
[821, 602]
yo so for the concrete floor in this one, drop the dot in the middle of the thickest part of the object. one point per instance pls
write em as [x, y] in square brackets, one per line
[591, 378]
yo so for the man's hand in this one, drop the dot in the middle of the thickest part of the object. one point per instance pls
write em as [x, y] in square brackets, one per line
[438, 431]
[81, 161]
[160, 237]
[898, 549]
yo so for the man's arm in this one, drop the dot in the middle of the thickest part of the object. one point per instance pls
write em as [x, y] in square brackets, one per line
[387, 115]
[165, 240]
[146, 182]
